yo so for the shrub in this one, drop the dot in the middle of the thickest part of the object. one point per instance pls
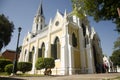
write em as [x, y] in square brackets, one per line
[1, 57]
[24, 66]
[46, 63]
[49, 63]
[40, 64]
[9, 68]
[3, 63]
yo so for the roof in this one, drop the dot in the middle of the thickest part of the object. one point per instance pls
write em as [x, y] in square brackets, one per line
[9, 54]
[11, 51]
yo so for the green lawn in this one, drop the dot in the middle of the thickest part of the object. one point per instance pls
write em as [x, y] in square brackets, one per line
[29, 75]
[21, 75]
[39, 75]
[3, 74]
[117, 78]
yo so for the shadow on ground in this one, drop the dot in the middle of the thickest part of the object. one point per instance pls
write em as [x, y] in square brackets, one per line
[10, 78]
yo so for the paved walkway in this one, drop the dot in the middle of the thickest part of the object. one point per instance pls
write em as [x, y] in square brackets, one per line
[70, 77]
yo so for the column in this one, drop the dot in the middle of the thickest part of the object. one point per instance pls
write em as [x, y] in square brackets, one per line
[64, 58]
[82, 51]
[35, 58]
[48, 47]
[27, 54]
[21, 55]
[90, 59]
[64, 51]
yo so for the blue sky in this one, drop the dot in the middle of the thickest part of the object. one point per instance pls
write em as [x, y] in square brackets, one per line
[22, 12]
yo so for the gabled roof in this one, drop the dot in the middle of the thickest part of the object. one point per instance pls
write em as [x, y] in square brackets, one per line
[58, 13]
[9, 54]
[11, 51]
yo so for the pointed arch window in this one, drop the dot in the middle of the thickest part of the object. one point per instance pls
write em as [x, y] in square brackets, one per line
[36, 27]
[74, 40]
[57, 45]
[86, 40]
[41, 51]
[25, 54]
[41, 26]
[55, 49]
[84, 29]
[41, 20]
[31, 54]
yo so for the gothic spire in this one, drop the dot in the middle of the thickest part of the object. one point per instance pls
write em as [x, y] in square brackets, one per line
[40, 10]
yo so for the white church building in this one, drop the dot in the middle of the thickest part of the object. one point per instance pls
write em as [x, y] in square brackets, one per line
[71, 41]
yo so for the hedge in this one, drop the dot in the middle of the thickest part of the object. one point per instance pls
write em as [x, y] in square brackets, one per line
[45, 63]
[24, 66]
[3, 63]
[9, 68]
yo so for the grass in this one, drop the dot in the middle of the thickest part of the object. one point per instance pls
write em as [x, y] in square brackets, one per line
[22, 75]
[117, 78]
[3, 74]
[30, 75]
[39, 75]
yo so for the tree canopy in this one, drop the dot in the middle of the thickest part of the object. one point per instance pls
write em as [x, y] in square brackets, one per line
[115, 57]
[45, 63]
[117, 43]
[98, 9]
[6, 30]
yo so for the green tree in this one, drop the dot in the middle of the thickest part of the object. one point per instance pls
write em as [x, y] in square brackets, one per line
[6, 29]
[99, 9]
[116, 53]
[19, 49]
[117, 43]
[3, 63]
[45, 63]
[116, 57]
[24, 66]
[8, 68]
[40, 64]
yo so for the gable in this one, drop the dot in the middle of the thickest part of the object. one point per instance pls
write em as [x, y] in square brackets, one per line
[9, 54]
[57, 21]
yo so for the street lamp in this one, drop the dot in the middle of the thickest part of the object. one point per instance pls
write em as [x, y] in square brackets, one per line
[16, 55]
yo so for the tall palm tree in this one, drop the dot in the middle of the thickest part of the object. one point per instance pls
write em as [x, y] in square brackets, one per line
[6, 30]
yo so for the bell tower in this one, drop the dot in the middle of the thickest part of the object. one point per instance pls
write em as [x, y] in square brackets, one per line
[39, 20]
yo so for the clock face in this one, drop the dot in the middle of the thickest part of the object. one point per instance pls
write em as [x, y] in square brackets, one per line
[57, 23]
